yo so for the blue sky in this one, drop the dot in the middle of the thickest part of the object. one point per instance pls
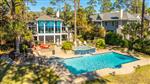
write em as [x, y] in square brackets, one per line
[46, 3]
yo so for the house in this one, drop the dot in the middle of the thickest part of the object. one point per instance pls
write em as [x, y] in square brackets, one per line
[49, 30]
[114, 21]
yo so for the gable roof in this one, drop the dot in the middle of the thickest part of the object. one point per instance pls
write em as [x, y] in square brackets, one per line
[46, 17]
[113, 16]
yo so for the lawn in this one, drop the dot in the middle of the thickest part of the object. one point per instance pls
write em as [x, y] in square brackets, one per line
[140, 76]
[27, 74]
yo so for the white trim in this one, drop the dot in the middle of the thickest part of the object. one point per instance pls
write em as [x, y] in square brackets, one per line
[37, 31]
[61, 33]
[54, 33]
[44, 35]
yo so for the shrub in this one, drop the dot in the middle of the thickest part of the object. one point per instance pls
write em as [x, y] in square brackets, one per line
[142, 46]
[146, 47]
[125, 43]
[102, 32]
[36, 42]
[100, 43]
[113, 38]
[4, 47]
[67, 45]
[23, 48]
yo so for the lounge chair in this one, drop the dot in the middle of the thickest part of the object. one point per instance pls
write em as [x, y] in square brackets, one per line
[35, 54]
[44, 46]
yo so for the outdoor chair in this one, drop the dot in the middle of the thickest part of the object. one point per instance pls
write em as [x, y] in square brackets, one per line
[85, 43]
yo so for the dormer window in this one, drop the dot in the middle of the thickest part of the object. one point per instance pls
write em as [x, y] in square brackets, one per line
[114, 17]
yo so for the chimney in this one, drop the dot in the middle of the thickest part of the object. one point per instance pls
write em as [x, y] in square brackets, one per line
[121, 13]
[57, 14]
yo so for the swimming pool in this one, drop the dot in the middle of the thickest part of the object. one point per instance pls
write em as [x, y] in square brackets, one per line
[99, 61]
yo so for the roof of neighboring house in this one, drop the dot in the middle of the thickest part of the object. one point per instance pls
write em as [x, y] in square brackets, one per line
[113, 16]
[147, 17]
[46, 17]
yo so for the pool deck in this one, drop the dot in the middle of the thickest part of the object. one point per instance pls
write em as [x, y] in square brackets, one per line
[125, 69]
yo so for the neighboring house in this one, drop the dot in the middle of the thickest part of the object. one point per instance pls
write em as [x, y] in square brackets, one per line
[114, 21]
[48, 30]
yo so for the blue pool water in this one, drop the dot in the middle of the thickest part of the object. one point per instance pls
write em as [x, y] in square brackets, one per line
[99, 61]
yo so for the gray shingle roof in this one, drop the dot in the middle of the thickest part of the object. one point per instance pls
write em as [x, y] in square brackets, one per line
[147, 17]
[114, 16]
[46, 17]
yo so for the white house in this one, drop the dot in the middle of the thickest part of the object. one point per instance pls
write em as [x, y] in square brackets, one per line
[114, 21]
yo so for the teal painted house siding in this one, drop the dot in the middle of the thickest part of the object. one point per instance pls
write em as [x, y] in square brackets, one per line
[49, 26]
[40, 26]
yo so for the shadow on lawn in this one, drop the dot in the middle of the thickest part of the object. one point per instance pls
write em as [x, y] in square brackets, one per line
[40, 74]
[3, 72]
[29, 73]
[90, 76]
[94, 77]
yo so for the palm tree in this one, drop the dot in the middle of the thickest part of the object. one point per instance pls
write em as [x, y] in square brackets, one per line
[17, 19]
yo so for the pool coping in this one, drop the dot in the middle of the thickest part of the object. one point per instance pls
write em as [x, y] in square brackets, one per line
[98, 54]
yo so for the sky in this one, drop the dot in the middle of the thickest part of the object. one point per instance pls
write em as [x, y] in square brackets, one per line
[46, 3]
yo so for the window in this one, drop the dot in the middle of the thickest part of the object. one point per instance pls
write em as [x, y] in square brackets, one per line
[113, 23]
[40, 26]
[57, 26]
[105, 23]
[114, 17]
[49, 27]
[41, 29]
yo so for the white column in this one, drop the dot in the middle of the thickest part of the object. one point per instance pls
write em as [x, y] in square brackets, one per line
[37, 30]
[119, 27]
[60, 33]
[54, 33]
[66, 28]
[44, 34]
[101, 24]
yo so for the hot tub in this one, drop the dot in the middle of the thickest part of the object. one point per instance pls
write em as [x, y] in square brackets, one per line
[80, 50]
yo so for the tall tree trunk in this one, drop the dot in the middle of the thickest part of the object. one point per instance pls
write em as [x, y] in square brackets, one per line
[13, 14]
[75, 24]
[142, 21]
[13, 9]
[78, 4]
[136, 10]
[65, 9]
[18, 44]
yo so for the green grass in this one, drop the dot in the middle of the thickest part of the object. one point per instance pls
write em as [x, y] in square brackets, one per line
[29, 74]
[140, 76]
